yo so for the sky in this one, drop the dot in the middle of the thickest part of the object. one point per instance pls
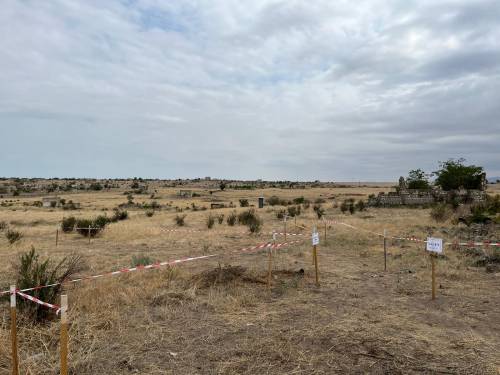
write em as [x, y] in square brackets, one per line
[298, 90]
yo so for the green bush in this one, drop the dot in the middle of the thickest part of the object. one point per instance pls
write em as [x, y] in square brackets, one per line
[220, 218]
[141, 260]
[440, 212]
[299, 200]
[150, 213]
[13, 236]
[179, 220]
[360, 206]
[250, 219]
[96, 225]
[3, 226]
[243, 202]
[320, 211]
[31, 271]
[68, 224]
[280, 214]
[231, 219]
[293, 211]
[210, 221]
[120, 215]
[275, 201]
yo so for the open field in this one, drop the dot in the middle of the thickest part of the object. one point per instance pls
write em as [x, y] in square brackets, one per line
[216, 316]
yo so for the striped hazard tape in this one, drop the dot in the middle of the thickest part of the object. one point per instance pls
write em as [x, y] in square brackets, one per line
[415, 239]
[40, 302]
[154, 266]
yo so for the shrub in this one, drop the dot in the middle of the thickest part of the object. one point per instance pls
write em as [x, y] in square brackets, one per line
[13, 236]
[220, 218]
[320, 211]
[3, 225]
[179, 220]
[31, 271]
[96, 225]
[251, 219]
[255, 226]
[299, 200]
[352, 208]
[440, 212]
[274, 201]
[68, 224]
[243, 202]
[150, 213]
[360, 205]
[210, 221]
[306, 205]
[280, 214]
[141, 260]
[231, 219]
[293, 211]
[319, 201]
[120, 215]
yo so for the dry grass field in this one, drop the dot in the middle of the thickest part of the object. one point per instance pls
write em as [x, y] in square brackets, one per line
[217, 316]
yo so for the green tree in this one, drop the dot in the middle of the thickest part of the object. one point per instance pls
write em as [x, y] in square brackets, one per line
[454, 174]
[417, 180]
[222, 185]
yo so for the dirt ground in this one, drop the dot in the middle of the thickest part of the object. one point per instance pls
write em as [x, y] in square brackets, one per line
[217, 316]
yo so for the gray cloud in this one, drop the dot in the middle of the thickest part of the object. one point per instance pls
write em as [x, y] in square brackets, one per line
[271, 89]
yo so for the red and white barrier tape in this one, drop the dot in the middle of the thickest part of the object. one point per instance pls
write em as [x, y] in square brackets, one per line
[40, 302]
[414, 239]
[154, 266]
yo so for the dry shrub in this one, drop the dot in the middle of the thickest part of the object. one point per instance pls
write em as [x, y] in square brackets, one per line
[13, 236]
[179, 220]
[210, 221]
[231, 219]
[31, 271]
[441, 212]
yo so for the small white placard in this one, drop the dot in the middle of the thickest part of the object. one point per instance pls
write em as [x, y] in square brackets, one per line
[435, 245]
[274, 236]
[315, 238]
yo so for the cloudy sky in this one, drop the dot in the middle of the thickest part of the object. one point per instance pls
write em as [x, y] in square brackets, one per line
[300, 90]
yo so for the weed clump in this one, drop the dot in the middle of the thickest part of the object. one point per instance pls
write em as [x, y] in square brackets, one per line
[68, 224]
[179, 220]
[250, 219]
[210, 221]
[243, 202]
[231, 219]
[141, 260]
[13, 236]
[31, 271]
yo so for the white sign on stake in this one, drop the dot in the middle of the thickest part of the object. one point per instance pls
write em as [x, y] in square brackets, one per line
[315, 238]
[435, 245]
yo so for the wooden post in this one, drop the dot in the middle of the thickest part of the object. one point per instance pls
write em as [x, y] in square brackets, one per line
[325, 231]
[13, 330]
[57, 236]
[269, 267]
[385, 251]
[89, 233]
[64, 335]
[315, 252]
[285, 226]
[433, 257]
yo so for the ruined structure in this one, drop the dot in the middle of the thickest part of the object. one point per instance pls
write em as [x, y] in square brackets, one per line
[415, 197]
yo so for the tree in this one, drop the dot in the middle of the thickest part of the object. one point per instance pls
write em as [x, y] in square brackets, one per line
[454, 174]
[417, 180]
[222, 185]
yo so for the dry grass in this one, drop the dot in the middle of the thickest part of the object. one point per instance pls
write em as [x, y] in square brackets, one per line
[216, 316]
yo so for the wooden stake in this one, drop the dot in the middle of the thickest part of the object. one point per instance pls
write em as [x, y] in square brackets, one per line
[64, 335]
[385, 251]
[89, 233]
[433, 257]
[269, 268]
[285, 227]
[315, 252]
[57, 236]
[13, 330]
